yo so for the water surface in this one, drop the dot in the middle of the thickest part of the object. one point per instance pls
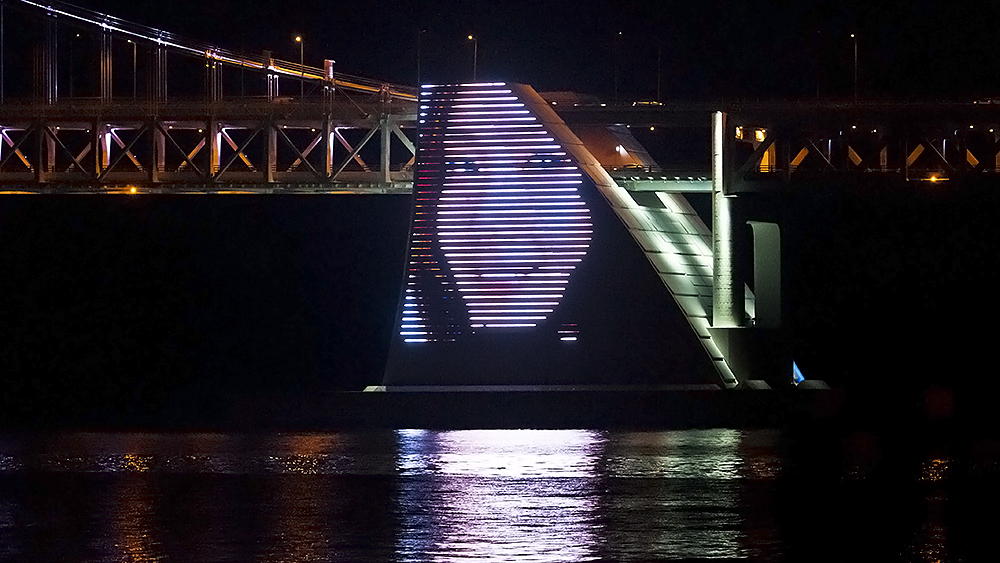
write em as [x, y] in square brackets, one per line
[488, 495]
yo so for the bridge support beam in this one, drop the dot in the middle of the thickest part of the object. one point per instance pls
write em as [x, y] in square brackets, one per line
[272, 78]
[107, 78]
[213, 136]
[213, 80]
[48, 66]
[270, 152]
[385, 132]
[158, 152]
[328, 144]
[766, 274]
[158, 88]
[727, 288]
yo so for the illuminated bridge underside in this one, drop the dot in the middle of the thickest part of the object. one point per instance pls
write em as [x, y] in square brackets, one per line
[511, 243]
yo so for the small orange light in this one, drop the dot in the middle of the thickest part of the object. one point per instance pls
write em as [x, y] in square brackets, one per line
[934, 179]
[132, 190]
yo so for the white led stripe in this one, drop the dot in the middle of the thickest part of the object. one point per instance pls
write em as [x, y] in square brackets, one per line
[499, 220]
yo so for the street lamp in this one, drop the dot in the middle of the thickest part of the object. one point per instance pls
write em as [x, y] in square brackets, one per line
[475, 55]
[302, 68]
[419, 34]
[855, 38]
[133, 67]
[617, 55]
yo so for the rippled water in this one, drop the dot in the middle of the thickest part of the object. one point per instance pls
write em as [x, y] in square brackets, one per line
[491, 495]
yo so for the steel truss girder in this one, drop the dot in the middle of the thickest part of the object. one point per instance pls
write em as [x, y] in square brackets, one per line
[15, 148]
[768, 154]
[162, 150]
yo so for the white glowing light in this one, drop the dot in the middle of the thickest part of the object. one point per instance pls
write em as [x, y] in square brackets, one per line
[499, 219]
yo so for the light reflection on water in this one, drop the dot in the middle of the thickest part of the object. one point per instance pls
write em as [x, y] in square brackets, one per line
[417, 495]
[527, 495]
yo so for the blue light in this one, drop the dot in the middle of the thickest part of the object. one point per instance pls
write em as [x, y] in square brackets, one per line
[797, 376]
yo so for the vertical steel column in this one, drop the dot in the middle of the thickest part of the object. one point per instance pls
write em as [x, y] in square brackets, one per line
[214, 141]
[95, 144]
[766, 274]
[213, 80]
[106, 76]
[271, 153]
[157, 152]
[328, 145]
[40, 175]
[727, 289]
[328, 70]
[158, 88]
[48, 71]
[329, 92]
[272, 78]
[996, 158]
[385, 132]
[105, 148]
[101, 141]
[48, 161]
[2, 50]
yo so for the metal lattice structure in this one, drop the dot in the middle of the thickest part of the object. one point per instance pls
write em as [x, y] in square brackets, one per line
[322, 140]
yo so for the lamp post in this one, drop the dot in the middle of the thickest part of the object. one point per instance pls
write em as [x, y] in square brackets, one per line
[855, 38]
[302, 68]
[616, 55]
[475, 55]
[419, 34]
[133, 67]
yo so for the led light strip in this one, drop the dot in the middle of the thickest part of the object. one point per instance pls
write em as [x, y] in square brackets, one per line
[499, 222]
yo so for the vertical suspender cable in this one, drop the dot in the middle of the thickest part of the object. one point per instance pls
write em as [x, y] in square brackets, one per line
[2, 54]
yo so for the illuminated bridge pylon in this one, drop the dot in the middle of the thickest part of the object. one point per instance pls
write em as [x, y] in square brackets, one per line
[520, 272]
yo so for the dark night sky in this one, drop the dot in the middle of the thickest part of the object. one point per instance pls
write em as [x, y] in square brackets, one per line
[707, 49]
